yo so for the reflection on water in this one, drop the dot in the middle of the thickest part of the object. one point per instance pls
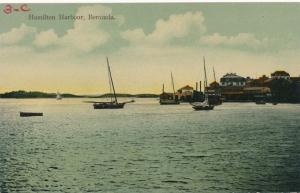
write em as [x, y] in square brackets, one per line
[146, 147]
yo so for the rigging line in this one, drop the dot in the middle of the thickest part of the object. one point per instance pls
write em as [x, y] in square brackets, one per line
[112, 83]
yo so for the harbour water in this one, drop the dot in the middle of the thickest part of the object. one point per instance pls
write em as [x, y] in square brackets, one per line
[146, 147]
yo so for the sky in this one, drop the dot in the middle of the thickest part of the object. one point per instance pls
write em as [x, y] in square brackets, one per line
[145, 43]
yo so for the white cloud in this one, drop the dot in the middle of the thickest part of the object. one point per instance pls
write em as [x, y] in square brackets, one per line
[46, 38]
[16, 35]
[134, 36]
[85, 35]
[85, 39]
[246, 39]
[176, 26]
[189, 25]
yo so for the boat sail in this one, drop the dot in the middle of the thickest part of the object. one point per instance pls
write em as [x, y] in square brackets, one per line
[205, 104]
[58, 96]
[113, 104]
[167, 98]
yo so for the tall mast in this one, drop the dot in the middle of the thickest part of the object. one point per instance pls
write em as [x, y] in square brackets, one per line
[110, 87]
[214, 74]
[204, 73]
[173, 83]
[111, 80]
[205, 82]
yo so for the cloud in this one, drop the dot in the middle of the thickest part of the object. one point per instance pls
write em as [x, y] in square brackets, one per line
[46, 38]
[85, 35]
[241, 39]
[85, 39]
[176, 26]
[189, 26]
[16, 35]
[134, 36]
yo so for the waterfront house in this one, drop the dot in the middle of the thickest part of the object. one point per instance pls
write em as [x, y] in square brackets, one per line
[185, 93]
[214, 85]
[232, 79]
[259, 82]
[252, 93]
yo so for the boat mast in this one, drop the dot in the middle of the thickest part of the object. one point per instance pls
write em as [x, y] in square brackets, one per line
[111, 80]
[214, 74]
[205, 83]
[205, 73]
[173, 83]
[110, 88]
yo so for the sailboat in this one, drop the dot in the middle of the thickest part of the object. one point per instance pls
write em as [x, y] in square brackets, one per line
[205, 104]
[113, 104]
[58, 96]
[167, 98]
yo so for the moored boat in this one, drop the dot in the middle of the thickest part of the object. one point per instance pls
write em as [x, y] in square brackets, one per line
[260, 102]
[205, 105]
[168, 98]
[108, 105]
[30, 114]
[169, 102]
[58, 96]
[113, 104]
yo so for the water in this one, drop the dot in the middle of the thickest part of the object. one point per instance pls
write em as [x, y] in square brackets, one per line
[146, 147]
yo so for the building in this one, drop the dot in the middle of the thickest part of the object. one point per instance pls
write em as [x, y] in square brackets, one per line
[259, 82]
[295, 95]
[253, 93]
[214, 85]
[280, 75]
[186, 90]
[257, 90]
[232, 79]
[185, 93]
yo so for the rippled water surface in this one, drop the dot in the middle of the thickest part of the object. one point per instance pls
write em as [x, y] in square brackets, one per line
[146, 147]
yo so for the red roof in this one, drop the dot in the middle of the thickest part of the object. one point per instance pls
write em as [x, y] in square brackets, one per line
[187, 87]
[214, 84]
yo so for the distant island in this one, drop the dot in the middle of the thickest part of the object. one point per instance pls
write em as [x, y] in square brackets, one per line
[21, 94]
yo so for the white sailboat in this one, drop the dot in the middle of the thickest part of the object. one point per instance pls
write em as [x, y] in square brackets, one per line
[58, 96]
[205, 104]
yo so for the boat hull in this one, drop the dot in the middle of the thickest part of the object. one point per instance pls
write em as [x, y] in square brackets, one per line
[30, 114]
[260, 102]
[203, 108]
[109, 105]
[169, 102]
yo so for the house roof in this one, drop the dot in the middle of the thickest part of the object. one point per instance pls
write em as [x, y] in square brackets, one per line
[263, 78]
[214, 84]
[280, 73]
[232, 76]
[187, 87]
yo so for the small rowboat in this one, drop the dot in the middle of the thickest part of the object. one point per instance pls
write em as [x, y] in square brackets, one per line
[30, 114]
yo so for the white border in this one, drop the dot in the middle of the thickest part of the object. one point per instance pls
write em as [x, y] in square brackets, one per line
[147, 1]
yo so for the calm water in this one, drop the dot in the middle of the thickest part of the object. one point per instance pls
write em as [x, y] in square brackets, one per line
[148, 148]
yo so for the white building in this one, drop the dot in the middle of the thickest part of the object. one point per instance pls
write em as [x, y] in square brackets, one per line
[232, 79]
